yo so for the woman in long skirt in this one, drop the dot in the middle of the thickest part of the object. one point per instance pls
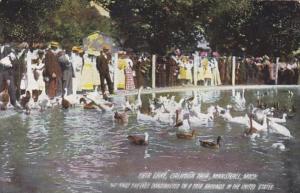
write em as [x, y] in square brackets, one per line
[88, 78]
[120, 71]
[129, 81]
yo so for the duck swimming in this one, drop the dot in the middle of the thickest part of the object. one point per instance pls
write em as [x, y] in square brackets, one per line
[251, 131]
[88, 105]
[185, 135]
[211, 144]
[121, 117]
[277, 128]
[279, 120]
[139, 140]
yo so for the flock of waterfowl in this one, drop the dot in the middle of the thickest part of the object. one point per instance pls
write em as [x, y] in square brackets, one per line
[183, 116]
[186, 114]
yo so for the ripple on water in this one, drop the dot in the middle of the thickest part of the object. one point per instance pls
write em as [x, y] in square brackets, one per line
[79, 150]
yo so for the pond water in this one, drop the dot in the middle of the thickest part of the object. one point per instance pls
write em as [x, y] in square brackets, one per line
[80, 151]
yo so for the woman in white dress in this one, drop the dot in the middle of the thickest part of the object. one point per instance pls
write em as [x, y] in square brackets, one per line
[90, 77]
[38, 65]
[77, 63]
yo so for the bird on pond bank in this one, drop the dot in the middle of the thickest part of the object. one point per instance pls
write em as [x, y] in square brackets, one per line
[4, 99]
[139, 139]
[69, 100]
[211, 144]
[24, 102]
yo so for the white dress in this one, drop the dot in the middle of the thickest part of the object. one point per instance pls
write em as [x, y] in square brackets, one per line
[215, 71]
[77, 66]
[90, 76]
[39, 68]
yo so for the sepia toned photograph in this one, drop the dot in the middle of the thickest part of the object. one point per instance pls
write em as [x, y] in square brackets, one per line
[149, 96]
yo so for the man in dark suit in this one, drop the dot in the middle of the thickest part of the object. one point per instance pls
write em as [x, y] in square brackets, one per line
[7, 58]
[102, 65]
[53, 72]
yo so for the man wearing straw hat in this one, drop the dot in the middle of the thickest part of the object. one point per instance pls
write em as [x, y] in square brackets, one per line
[53, 73]
[102, 65]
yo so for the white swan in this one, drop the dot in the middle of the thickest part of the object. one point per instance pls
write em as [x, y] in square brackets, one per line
[239, 100]
[203, 116]
[243, 120]
[164, 117]
[260, 127]
[196, 122]
[138, 104]
[144, 117]
[277, 128]
[106, 106]
[127, 106]
[94, 96]
[72, 98]
[279, 120]
[185, 127]
[182, 125]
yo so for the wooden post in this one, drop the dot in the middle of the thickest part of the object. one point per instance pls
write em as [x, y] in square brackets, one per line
[233, 70]
[153, 70]
[115, 65]
[277, 67]
[196, 64]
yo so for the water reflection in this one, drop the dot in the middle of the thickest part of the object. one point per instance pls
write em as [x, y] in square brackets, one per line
[83, 151]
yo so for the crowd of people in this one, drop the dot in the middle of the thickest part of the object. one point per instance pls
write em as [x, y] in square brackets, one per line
[59, 71]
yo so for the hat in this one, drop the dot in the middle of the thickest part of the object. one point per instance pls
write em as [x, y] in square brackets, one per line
[80, 51]
[54, 44]
[122, 53]
[76, 48]
[105, 47]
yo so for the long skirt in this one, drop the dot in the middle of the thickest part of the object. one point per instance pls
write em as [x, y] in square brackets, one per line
[129, 81]
[185, 74]
[89, 78]
[120, 79]
[216, 76]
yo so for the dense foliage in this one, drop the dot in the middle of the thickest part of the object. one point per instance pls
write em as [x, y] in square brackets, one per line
[255, 27]
[66, 21]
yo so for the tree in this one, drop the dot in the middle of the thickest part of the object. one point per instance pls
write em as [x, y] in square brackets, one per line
[254, 27]
[156, 26]
[73, 21]
[20, 19]
[67, 21]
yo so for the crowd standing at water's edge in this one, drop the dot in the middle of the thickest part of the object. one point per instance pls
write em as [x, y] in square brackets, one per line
[61, 71]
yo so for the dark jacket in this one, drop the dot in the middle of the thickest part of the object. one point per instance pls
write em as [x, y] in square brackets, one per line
[102, 63]
[52, 65]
